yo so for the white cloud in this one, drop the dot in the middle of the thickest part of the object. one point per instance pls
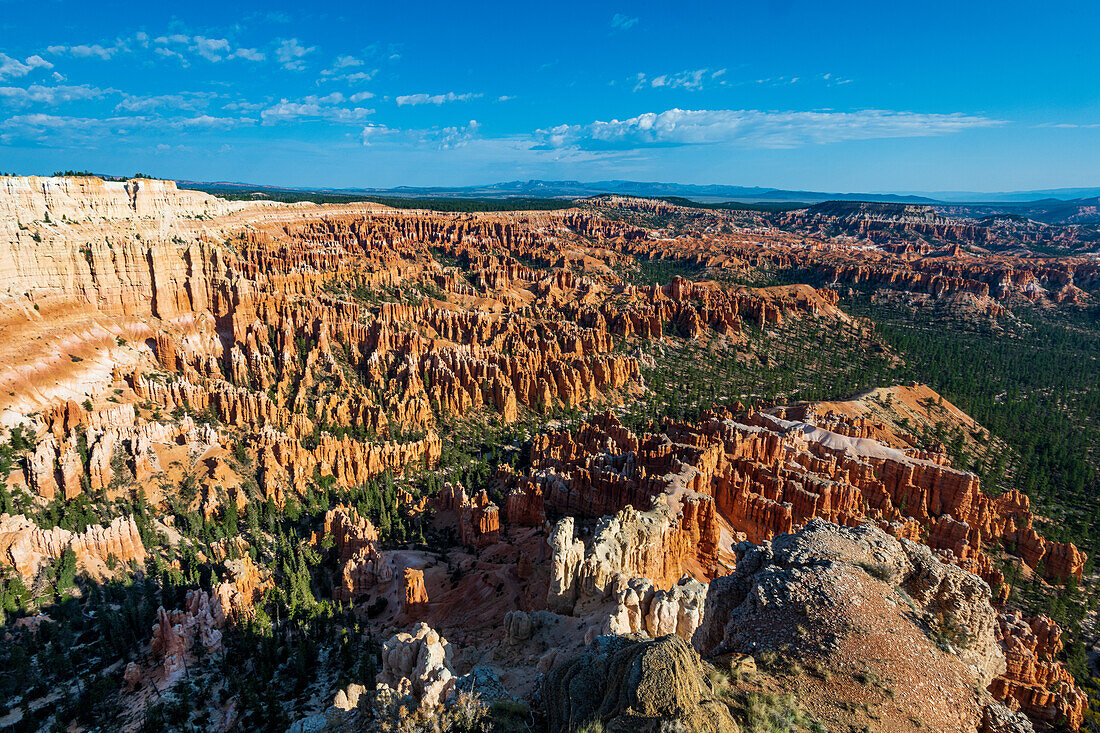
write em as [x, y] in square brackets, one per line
[623, 22]
[445, 138]
[755, 128]
[692, 80]
[249, 54]
[290, 54]
[774, 81]
[170, 54]
[96, 51]
[11, 68]
[456, 137]
[1069, 125]
[38, 94]
[415, 99]
[181, 101]
[208, 122]
[37, 62]
[356, 77]
[832, 80]
[213, 50]
[244, 106]
[60, 130]
[341, 70]
[342, 62]
[85, 51]
[326, 108]
[374, 132]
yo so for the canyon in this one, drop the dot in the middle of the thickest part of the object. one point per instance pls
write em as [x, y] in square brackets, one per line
[409, 446]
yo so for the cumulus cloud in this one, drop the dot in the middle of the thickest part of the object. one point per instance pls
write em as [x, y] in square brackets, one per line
[442, 138]
[11, 68]
[181, 101]
[415, 99]
[328, 107]
[457, 136]
[249, 54]
[209, 122]
[755, 128]
[689, 80]
[623, 22]
[372, 133]
[38, 94]
[174, 38]
[180, 46]
[290, 54]
[211, 49]
[243, 106]
[63, 129]
[88, 51]
[343, 69]
[170, 54]
[342, 62]
[356, 77]
[93, 51]
[58, 128]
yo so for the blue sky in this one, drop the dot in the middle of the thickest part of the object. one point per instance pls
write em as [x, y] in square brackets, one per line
[852, 96]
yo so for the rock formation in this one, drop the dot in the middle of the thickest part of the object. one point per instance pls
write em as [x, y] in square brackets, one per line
[26, 547]
[200, 623]
[1033, 681]
[419, 665]
[626, 684]
[836, 593]
[416, 597]
[215, 360]
[176, 633]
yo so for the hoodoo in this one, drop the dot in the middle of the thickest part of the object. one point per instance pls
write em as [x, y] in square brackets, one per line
[618, 464]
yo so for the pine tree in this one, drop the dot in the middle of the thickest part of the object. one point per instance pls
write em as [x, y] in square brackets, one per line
[230, 519]
[65, 572]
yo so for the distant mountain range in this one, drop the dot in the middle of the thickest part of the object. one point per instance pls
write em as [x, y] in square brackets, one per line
[1060, 194]
[1085, 211]
[578, 189]
[714, 193]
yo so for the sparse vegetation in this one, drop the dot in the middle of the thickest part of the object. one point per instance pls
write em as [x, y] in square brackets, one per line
[762, 712]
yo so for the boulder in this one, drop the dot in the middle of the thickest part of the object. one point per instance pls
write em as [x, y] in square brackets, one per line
[632, 685]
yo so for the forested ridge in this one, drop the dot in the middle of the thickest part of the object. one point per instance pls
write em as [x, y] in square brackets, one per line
[1032, 379]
